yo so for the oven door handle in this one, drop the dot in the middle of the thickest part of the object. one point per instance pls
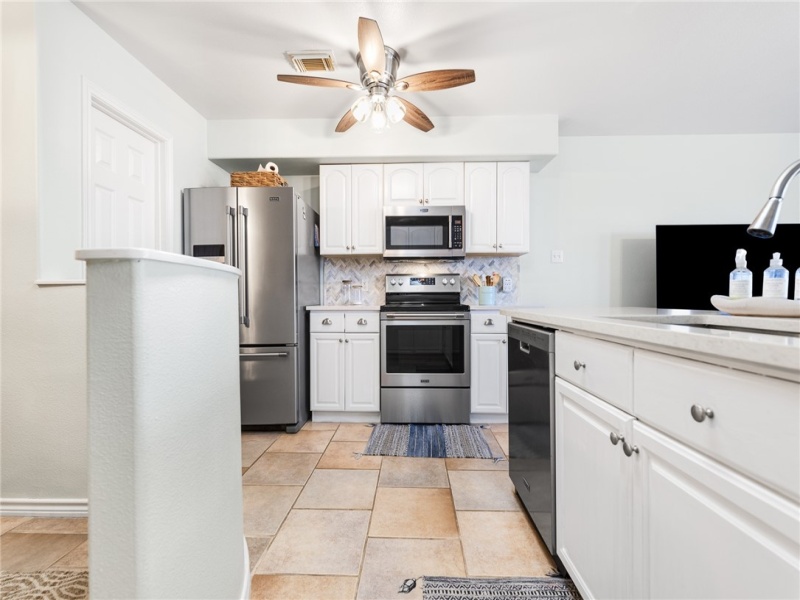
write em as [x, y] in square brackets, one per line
[424, 316]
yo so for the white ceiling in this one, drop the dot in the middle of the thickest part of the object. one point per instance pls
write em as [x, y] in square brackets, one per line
[606, 68]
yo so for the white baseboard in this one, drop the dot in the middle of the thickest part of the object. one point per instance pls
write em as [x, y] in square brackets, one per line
[489, 418]
[44, 507]
[331, 416]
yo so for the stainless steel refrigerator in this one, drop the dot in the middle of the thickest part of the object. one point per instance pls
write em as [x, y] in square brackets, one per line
[272, 235]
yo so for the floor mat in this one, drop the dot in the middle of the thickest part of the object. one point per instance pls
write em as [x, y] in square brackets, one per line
[430, 441]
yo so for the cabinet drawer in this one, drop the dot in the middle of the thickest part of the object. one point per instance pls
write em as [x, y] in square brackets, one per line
[362, 322]
[603, 368]
[488, 322]
[755, 425]
[330, 321]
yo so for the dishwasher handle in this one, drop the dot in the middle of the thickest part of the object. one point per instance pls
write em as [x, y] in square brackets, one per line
[532, 337]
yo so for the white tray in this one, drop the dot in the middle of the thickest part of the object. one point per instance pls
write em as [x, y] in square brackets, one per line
[757, 306]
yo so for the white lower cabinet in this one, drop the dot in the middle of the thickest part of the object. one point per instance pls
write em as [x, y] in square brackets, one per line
[705, 531]
[488, 363]
[345, 361]
[641, 514]
[594, 493]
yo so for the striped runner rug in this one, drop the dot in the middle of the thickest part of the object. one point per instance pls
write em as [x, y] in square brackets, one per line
[430, 441]
[488, 588]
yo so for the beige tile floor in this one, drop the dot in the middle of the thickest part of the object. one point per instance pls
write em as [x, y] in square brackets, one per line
[322, 523]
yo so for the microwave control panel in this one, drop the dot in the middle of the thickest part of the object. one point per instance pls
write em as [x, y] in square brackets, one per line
[458, 232]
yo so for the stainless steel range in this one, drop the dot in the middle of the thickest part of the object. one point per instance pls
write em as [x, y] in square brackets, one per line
[424, 350]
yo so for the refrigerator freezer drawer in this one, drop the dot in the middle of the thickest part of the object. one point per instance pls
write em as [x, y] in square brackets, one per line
[268, 385]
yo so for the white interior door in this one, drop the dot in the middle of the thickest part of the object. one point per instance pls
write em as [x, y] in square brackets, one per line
[122, 209]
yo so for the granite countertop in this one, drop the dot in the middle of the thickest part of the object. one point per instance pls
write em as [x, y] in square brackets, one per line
[765, 345]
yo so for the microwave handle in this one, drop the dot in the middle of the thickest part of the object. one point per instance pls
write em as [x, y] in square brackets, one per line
[450, 232]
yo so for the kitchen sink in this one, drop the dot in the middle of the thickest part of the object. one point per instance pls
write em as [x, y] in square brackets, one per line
[770, 326]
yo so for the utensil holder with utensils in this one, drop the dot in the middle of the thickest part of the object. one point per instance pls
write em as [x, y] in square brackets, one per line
[487, 295]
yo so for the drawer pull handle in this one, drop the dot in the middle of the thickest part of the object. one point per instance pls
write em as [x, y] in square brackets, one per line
[699, 413]
[579, 365]
[616, 438]
[327, 321]
[488, 322]
[362, 322]
[629, 450]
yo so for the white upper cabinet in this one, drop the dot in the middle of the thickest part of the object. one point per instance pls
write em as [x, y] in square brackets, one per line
[423, 183]
[497, 197]
[513, 207]
[351, 209]
[480, 198]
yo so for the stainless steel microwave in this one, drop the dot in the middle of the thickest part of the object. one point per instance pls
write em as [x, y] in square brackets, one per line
[424, 232]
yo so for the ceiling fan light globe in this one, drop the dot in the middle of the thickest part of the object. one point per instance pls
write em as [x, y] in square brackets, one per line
[395, 110]
[362, 108]
[378, 121]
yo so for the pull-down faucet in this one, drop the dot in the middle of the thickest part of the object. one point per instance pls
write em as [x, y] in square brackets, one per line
[763, 226]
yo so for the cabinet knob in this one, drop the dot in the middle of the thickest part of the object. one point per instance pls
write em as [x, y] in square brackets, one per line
[488, 322]
[629, 450]
[362, 322]
[352, 248]
[700, 413]
[340, 340]
[327, 321]
[494, 245]
[579, 365]
[347, 341]
[501, 245]
[504, 341]
[421, 201]
[348, 247]
[616, 438]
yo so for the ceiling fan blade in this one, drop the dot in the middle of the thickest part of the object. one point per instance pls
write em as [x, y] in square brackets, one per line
[318, 81]
[435, 80]
[370, 45]
[347, 121]
[415, 117]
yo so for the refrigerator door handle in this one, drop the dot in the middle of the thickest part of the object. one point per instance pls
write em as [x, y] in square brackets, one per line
[243, 260]
[230, 247]
[265, 354]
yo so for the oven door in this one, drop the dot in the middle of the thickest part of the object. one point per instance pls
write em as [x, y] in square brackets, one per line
[425, 350]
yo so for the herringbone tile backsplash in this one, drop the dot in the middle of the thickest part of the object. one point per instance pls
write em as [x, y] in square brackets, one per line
[370, 272]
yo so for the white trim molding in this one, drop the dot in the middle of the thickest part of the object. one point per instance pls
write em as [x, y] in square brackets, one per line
[44, 507]
[96, 98]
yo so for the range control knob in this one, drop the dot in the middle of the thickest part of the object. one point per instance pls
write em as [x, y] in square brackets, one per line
[400, 282]
[444, 281]
[392, 281]
[452, 281]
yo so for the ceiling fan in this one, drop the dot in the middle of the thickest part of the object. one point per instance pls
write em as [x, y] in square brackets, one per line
[378, 65]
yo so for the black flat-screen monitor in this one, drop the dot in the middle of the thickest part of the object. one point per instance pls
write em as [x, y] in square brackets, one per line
[693, 262]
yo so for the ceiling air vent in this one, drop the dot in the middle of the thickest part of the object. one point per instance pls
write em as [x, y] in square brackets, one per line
[312, 60]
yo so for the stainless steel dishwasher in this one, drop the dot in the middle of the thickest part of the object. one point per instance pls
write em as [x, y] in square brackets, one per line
[531, 426]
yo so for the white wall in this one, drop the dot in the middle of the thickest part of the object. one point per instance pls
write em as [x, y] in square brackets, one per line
[43, 367]
[600, 199]
[70, 48]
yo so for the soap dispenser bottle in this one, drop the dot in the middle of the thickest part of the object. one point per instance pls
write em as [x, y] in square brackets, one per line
[797, 284]
[741, 279]
[776, 279]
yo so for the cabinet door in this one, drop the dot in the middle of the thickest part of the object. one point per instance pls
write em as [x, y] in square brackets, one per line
[327, 371]
[706, 531]
[402, 184]
[489, 373]
[593, 494]
[513, 206]
[362, 376]
[367, 209]
[334, 208]
[444, 183]
[480, 198]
